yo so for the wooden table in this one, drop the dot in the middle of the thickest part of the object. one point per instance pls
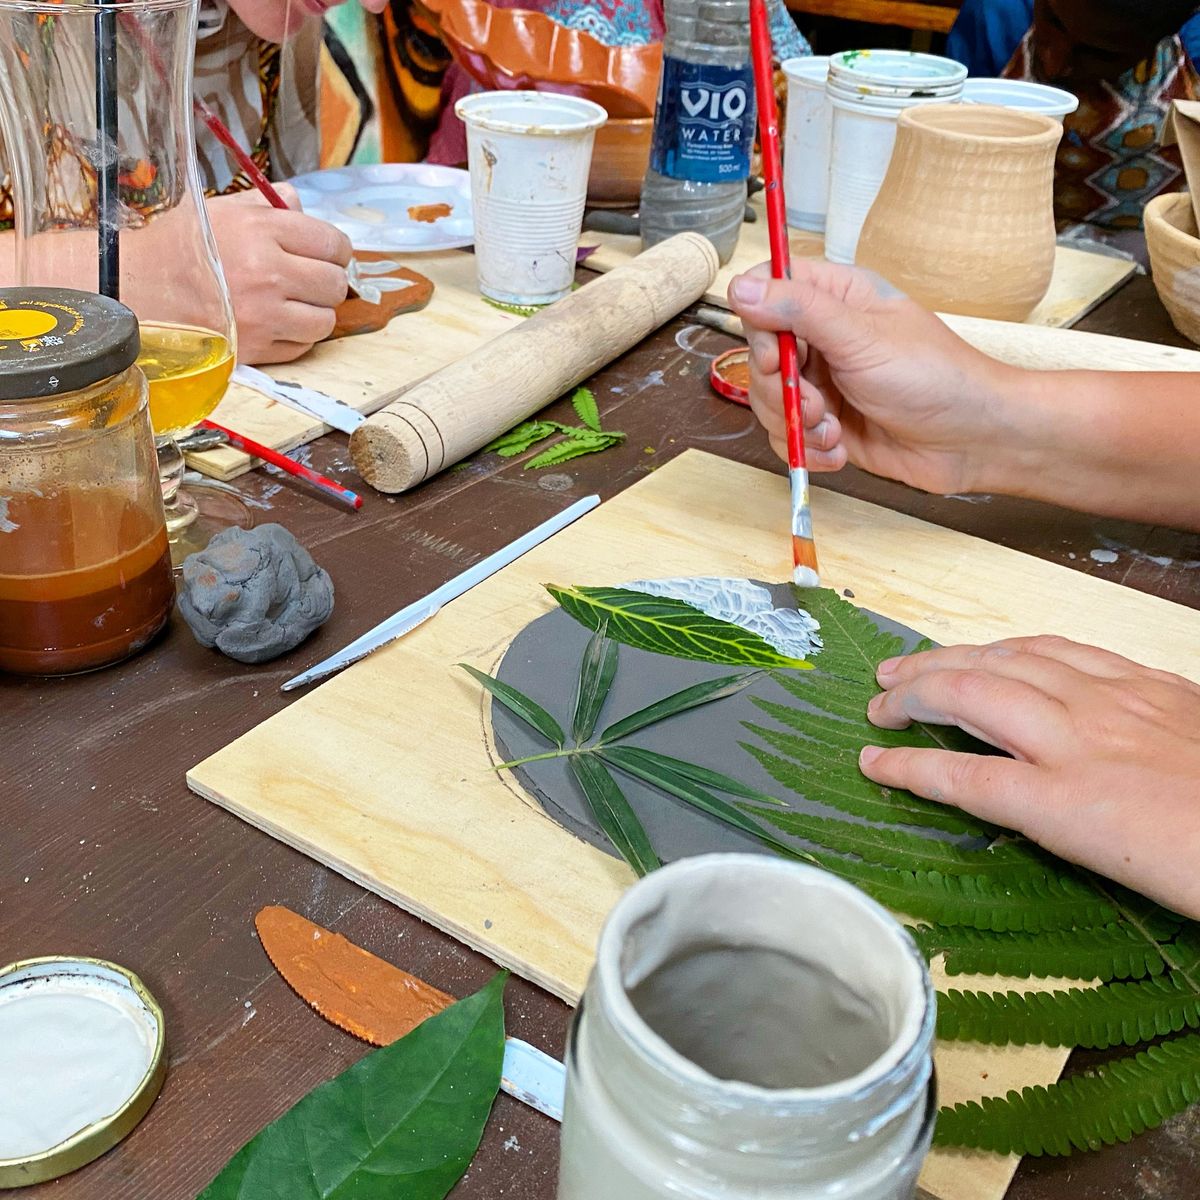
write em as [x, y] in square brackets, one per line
[931, 16]
[104, 851]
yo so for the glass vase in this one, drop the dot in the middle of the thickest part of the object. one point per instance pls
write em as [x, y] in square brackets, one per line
[107, 198]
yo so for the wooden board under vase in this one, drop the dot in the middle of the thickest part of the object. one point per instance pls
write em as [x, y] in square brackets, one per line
[383, 773]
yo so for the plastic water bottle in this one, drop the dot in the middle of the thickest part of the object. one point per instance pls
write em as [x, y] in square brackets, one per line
[703, 126]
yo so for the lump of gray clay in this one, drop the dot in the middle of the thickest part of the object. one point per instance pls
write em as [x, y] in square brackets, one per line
[254, 593]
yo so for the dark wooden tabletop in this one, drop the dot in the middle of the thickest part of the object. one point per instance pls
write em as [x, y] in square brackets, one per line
[104, 851]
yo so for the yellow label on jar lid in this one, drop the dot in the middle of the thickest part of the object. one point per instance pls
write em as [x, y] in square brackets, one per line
[22, 323]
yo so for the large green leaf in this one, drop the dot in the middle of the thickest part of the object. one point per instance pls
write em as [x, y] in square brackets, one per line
[661, 771]
[665, 626]
[403, 1121]
[613, 813]
[1118, 1014]
[680, 702]
[1110, 952]
[1083, 1112]
[596, 675]
[532, 713]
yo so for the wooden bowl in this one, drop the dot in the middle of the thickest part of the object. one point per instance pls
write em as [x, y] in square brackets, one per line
[1171, 238]
[521, 49]
[619, 160]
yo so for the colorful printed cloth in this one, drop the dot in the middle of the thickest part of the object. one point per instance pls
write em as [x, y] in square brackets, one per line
[1111, 163]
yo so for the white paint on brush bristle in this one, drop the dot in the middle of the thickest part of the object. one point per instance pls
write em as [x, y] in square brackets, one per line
[805, 577]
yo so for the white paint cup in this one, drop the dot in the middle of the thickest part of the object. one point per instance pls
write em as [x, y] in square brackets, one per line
[868, 90]
[806, 142]
[529, 155]
[1021, 94]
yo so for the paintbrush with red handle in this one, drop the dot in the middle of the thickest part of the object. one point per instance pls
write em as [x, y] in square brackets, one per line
[804, 550]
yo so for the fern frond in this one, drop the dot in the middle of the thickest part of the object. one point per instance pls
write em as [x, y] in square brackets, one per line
[1118, 1014]
[900, 848]
[1023, 904]
[1084, 1112]
[854, 644]
[844, 787]
[1113, 952]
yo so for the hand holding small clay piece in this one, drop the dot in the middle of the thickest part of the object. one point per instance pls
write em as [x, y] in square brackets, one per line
[1106, 754]
[254, 594]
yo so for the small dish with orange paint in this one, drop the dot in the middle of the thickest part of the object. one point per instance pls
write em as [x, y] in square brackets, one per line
[730, 375]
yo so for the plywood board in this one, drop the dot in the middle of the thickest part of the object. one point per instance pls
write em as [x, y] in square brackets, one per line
[1082, 279]
[383, 773]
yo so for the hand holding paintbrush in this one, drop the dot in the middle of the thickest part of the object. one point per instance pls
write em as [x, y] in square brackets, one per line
[804, 550]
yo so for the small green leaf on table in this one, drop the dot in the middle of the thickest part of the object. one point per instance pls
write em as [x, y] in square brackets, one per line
[405, 1121]
[584, 403]
[576, 444]
[523, 437]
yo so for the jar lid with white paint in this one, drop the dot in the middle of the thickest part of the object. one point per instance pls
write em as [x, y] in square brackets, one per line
[82, 1059]
[893, 79]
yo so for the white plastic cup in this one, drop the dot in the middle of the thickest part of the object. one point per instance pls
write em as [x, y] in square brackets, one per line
[1021, 94]
[529, 155]
[806, 142]
[868, 90]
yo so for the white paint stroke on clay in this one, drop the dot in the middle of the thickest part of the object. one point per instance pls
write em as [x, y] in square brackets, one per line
[6, 526]
[791, 631]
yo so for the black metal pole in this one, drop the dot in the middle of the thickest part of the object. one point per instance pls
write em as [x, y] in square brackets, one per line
[108, 164]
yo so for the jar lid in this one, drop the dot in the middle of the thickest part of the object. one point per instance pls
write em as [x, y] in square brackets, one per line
[101, 1032]
[56, 340]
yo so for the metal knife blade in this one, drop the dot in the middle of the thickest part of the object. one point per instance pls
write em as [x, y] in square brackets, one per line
[369, 997]
[335, 413]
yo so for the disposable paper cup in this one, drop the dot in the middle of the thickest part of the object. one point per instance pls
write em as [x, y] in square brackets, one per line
[1021, 94]
[529, 154]
[868, 90]
[806, 146]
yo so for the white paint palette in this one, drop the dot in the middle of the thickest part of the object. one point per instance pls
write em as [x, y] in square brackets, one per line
[373, 205]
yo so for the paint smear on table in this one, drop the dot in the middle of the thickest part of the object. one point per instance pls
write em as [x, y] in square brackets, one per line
[1104, 556]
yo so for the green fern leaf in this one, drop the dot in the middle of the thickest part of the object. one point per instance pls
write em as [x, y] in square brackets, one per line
[1113, 952]
[854, 644]
[584, 441]
[1022, 904]
[584, 403]
[1118, 1014]
[843, 787]
[1084, 1112]
[900, 848]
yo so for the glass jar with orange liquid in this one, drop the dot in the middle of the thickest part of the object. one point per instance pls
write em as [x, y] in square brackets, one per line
[161, 256]
[85, 568]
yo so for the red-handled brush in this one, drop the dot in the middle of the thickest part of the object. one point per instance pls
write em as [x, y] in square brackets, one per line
[804, 550]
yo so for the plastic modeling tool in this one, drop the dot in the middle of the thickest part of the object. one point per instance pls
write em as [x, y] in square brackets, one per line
[804, 550]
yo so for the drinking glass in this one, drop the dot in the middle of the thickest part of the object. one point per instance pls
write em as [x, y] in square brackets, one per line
[147, 238]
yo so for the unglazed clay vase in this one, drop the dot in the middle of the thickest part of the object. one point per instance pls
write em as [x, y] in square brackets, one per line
[620, 156]
[1174, 246]
[964, 222]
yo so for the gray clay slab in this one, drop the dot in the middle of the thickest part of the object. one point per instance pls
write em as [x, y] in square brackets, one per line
[543, 662]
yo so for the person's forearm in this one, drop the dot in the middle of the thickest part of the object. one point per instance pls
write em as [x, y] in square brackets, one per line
[1121, 444]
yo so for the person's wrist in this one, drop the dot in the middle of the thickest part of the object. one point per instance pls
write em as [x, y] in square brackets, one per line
[1017, 432]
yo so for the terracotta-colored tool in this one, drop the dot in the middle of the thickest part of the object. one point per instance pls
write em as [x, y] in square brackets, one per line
[379, 1003]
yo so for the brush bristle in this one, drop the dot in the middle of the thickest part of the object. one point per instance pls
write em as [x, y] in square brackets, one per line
[804, 554]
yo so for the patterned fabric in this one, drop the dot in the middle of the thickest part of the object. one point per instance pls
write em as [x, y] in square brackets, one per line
[1110, 162]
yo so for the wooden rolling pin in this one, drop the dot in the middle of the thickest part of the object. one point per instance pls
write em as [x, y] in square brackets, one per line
[440, 420]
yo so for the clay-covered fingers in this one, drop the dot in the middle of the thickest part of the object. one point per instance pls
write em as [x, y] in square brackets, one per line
[1014, 715]
[994, 789]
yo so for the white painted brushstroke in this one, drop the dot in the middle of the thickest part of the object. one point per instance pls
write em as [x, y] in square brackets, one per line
[791, 631]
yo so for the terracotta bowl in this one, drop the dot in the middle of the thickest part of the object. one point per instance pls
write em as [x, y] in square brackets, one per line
[515, 48]
[1171, 238]
[619, 160]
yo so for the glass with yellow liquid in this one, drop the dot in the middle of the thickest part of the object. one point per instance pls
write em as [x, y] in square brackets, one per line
[165, 266]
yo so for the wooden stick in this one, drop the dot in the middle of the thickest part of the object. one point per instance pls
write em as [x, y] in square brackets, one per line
[804, 550]
[462, 407]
